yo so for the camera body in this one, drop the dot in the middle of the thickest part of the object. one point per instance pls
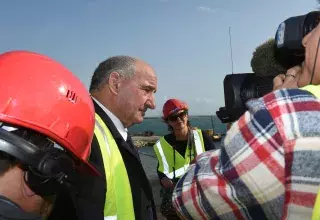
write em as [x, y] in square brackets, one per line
[289, 52]
[238, 89]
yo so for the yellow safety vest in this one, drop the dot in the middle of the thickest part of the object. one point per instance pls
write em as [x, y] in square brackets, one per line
[315, 90]
[118, 204]
[165, 153]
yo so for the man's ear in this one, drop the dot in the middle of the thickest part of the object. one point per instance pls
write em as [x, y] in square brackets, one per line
[114, 82]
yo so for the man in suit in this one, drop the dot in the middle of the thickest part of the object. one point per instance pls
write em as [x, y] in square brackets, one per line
[122, 89]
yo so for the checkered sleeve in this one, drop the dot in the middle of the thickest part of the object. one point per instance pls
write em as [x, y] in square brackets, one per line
[242, 180]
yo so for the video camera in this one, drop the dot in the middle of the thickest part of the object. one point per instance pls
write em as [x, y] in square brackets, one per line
[238, 89]
[289, 52]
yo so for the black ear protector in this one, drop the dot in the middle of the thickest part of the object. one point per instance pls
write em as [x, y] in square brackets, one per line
[47, 170]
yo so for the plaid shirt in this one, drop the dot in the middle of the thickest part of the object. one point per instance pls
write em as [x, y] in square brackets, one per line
[267, 169]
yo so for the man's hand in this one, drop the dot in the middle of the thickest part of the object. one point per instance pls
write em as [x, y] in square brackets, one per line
[288, 80]
[167, 183]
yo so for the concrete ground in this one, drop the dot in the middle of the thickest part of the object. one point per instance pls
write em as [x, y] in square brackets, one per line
[150, 165]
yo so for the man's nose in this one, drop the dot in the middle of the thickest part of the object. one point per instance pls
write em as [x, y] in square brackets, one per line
[151, 103]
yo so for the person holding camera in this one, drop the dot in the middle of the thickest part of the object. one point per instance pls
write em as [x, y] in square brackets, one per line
[176, 150]
[269, 165]
[46, 129]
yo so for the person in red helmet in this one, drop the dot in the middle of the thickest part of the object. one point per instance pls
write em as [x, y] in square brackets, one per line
[176, 150]
[46, 128]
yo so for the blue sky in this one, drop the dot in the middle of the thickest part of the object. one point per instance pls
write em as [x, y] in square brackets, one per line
[186, 41]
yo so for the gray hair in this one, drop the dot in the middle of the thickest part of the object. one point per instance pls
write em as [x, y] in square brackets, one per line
[124, 65]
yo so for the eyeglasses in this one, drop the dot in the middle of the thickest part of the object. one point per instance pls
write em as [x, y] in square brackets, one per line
[176, 116]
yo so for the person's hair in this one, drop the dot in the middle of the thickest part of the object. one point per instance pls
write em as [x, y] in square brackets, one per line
[7, 161]
[124, 65]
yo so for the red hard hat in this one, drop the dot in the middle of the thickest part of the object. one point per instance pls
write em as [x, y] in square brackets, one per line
[172, 106]
[40, 94]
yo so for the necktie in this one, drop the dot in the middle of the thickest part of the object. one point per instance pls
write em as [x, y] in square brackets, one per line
[132, 146]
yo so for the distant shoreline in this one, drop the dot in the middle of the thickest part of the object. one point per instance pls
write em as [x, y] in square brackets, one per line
[145, 138]
[145, 141]
[154, 126]
[149, 141]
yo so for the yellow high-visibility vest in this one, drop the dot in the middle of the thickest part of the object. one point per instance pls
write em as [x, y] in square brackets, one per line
[119, 203]
[164, 152]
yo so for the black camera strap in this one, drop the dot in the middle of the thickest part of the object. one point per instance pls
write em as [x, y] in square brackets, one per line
[315, 62]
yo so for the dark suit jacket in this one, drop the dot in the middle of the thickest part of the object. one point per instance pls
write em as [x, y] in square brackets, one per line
[90, 204]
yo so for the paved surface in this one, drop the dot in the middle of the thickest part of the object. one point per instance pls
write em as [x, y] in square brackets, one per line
[150, 165]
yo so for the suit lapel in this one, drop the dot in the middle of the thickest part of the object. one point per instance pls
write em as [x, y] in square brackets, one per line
[115, 133]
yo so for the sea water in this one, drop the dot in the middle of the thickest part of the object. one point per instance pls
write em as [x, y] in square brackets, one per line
[158, 127]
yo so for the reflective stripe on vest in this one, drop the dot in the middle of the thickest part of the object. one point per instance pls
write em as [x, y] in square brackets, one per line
[118, 204]
[198, 144]
[166, 161]
[110, 218]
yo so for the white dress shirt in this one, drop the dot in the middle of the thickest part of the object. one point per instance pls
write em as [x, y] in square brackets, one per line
[122, 130]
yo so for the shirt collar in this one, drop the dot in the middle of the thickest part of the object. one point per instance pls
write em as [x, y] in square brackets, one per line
[122, 130]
